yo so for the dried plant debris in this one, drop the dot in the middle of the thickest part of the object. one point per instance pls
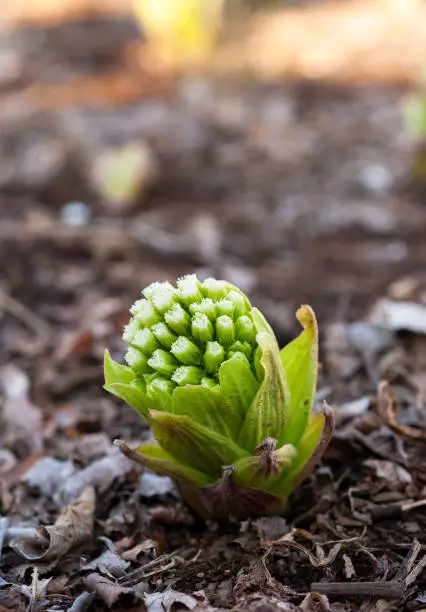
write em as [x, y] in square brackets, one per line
[173, 600]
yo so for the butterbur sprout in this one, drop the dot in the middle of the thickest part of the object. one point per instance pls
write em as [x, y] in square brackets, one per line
[231, 413]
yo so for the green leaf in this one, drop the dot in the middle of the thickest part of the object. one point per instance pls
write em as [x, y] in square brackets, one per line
[314, 442]
[300, 362]
[160, 399]
[115, 372]
[206, 407]
[156, 459]
[133, 396]
[310, 449]
[261, 323]
[414, 110]
[268, 413]
[238, 384]
[192, 444]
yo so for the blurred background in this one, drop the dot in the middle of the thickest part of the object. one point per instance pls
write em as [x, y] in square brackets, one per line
[280, 145]
[277, 144]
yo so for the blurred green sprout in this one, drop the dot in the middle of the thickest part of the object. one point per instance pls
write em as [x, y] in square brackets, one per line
[414, 114]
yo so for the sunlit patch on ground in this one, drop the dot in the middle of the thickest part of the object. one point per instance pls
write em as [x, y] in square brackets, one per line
[341, 40]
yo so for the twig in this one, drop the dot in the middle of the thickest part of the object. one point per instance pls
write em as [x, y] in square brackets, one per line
[387, 405]
[382, 590]
[34, 591]
[413, 505]
[408, 561]
[136, 574]
[160, 570]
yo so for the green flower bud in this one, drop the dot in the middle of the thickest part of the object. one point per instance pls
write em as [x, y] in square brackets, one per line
[145, 340]
[225, 331]
[215, 289]
[240, 347]
[231, 412]
[202, 328]
[186, 351]
[178, 320]
[213, 357]
[225, 307]
[162, 296]
[188, 375]
[160, 384]
[145, 312]
[240, 303]
[163, 362]
[137, 360]
[206, 306]
[245, 330]
[164, 335]
[189, 289]
[130, 331]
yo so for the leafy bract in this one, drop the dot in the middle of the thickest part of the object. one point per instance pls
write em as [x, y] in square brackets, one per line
[268, 412]
[192, 444]
[300, 362]
[207, 407]
[158, 460]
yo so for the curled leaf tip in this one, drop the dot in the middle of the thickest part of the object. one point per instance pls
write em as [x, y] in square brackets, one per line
[306, 317]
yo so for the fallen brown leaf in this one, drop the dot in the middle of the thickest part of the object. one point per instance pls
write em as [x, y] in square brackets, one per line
[73, 528]
[108, 591]
[109, 563]
[387, 405]
[174, 600]
[258, 578]
[144, 548]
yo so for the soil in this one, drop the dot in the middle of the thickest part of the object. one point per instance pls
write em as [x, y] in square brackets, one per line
[297, 191]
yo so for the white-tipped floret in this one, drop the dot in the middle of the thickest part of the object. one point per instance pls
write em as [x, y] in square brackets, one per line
[162, 295]
[215, 289]
[130, 331]
[206, 306]
[189, 289]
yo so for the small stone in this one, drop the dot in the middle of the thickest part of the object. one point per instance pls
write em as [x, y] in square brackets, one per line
[355, 408]
[372, 339]
[48, 475]
[398, 316]
[152, 485]
[76, 214]
[376, 179]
